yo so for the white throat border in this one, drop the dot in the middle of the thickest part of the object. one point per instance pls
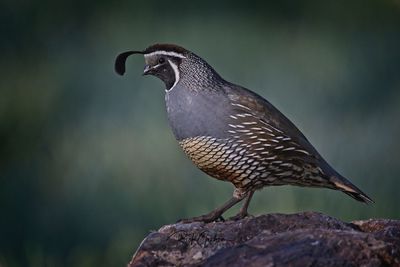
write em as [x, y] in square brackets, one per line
[176, 71]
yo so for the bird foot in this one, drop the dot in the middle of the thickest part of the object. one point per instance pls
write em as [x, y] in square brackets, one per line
[239, 216]
[210, 217]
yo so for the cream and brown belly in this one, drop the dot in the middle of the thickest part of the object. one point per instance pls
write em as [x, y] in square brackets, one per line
[236, 162]
[228, 161]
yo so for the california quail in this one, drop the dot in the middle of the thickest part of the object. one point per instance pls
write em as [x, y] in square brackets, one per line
[233, 134]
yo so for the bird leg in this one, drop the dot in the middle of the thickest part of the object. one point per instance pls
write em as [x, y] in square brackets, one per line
[243, 210]
[217, 213]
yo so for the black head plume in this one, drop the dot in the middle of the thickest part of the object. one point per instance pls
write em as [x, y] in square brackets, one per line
[121, 59]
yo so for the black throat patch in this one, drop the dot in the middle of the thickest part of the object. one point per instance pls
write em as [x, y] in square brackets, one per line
[167, 74]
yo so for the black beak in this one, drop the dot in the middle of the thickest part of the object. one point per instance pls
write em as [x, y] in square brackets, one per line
[147, 70]
[121, 59]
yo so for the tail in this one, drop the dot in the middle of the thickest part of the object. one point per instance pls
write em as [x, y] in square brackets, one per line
[344, 185]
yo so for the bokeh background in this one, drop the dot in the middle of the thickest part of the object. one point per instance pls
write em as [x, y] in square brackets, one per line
[88, 164]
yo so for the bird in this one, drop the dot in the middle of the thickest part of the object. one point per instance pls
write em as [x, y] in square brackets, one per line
[232, 133]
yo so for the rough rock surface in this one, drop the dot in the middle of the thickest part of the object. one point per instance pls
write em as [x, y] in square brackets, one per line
[302, 239]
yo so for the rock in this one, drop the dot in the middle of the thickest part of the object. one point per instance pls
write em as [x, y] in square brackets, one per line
[302, 239]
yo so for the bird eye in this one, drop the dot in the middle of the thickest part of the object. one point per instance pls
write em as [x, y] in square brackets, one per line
[161, 60]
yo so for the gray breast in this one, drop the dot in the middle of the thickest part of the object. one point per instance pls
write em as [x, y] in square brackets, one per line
[197, 113]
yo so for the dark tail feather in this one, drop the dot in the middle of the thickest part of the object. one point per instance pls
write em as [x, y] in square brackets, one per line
[360, 196]
[348, 188]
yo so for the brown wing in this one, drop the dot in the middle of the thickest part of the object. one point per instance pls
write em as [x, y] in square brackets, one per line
[280, 147]
[244, 100]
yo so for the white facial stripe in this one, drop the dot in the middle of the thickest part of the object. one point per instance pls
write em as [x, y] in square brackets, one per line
[157, 66]
[176, 71]
[165, 53]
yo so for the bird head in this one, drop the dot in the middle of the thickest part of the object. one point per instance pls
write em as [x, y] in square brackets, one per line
[162, 61]
[171, 63]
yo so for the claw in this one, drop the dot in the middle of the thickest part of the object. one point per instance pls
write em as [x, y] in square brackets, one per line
[207, 218]
[240, 216]
[220, 219]
[215, 215]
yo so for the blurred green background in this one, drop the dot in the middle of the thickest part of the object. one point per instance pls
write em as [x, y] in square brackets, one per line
[88, 164]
